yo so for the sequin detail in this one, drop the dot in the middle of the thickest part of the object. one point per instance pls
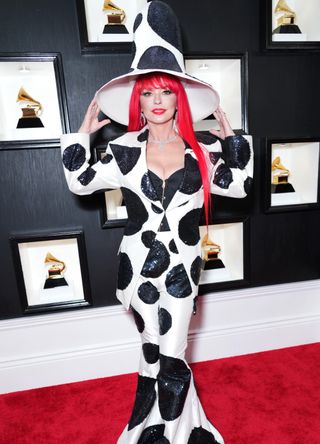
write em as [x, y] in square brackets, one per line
[148, 238]
[156, 209]
[148, 293]
[137, 213]
[153, 435]
[126, 157]
[106, 159]
[150, 352]
[236, 152]
[145, 398]
[157, 261]
[165, 24]
[195, 270]
[165, 321]
[172, 247]
[87, 176]
[199, 435]
[189, 227]
[138, 320]
[248, 184]
[148, 188]
[215, 157]
[143, 136]
[206, 137]
[223, 176]
[74, 157]
[192, 178]
[125, 272]
[177, 282]
[173, 383]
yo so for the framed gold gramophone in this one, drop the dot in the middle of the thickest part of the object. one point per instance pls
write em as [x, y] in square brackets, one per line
[55, 270]
[115, 18]
[210, 254]
[31, 110]
[286, 21]
[280, 178]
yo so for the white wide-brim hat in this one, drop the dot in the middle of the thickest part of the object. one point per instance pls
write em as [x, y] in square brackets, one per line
[157, 48]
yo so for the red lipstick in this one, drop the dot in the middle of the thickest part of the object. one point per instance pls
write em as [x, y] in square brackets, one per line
[158, 111]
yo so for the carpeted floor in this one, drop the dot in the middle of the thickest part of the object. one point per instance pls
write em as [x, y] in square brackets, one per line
[263, 398]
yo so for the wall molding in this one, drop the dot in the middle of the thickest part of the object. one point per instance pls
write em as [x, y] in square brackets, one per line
[70, 346]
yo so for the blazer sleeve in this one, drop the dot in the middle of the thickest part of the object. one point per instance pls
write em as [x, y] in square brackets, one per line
[231, 166]
[81, 177]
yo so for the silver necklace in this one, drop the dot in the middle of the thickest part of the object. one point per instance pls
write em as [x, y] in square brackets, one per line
[162, 143]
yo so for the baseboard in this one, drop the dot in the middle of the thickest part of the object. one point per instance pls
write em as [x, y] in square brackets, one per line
[53, 349]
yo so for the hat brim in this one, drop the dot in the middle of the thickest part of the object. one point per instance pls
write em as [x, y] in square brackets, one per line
[113, 98]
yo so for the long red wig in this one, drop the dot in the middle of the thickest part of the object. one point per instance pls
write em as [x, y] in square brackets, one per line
[183, 120]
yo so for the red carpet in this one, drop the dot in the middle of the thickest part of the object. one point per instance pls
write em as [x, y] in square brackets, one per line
[263, 398]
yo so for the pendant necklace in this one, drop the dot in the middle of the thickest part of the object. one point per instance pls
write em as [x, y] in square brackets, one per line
[162, 143]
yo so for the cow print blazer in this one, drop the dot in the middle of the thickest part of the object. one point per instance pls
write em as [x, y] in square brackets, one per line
[124, 166]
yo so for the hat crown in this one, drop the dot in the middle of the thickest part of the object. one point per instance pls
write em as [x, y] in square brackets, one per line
[157, 39]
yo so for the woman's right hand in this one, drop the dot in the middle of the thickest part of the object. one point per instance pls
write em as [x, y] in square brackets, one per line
[90, 123]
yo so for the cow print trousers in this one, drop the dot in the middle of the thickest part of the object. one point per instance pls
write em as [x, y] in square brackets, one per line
[166, 408]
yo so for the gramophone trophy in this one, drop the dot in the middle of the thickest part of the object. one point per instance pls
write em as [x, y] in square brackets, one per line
[31, 110]
[115, 19]
[280, 176]
[286, 21]
[55, 268]
[210, 254]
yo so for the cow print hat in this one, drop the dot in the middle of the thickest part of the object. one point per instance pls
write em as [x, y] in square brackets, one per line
[156, 48]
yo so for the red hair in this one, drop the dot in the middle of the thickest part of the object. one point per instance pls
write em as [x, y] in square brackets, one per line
[183, 120]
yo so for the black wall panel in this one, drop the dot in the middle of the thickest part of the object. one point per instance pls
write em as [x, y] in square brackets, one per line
[284, 97]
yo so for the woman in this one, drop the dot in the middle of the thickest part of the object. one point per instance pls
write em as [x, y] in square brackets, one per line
[166, 173]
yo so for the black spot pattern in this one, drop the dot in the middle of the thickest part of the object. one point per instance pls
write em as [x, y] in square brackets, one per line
[173, 383]
[137, 22]
[236, 151]
[74, 157]
[148, 238]
[199, 435]
[157, 261]
[148, 188]
[107, 158]
[177, 282]
[148, 293]
[143, 136]
[189, 227]
[192, 178]
[87, 176]
[158, 57]
[126, 157]
[165, 321]
[172, 247]
[133, 50]
[164, 22]
[153, 435]
[215, 157]
[223, 176]
[195, 270]
[150, 352]
[206, 137]
[138, 320]
[125, 272]
[248, 184]
[137, 213]
[156, 209]
[145, 397]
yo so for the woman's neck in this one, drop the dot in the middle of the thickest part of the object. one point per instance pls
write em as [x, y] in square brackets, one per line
[161, 132]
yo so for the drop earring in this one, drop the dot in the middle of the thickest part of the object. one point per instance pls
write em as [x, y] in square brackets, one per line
[143, 120]
[175, 119]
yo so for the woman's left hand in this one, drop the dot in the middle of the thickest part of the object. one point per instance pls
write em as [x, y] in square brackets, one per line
[225, 128]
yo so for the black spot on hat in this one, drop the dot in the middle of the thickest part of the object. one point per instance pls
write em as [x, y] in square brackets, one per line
[189, 227]
[223, 176]
[87, 176]
[199, 435]
[195, 270]
[215, 157]
[173, 385]
[148, 293]
[137, 22]
[137, 213]
[133, 50]
[177, 282]
[143, 136]
[148, 238]
[153, 435]
[172, 247]
[125, 272]
[157, 261]
[206, 137]
[145, 398]
[165, 321]
[156, 209]
[126, 157]
[106, 159]
[74, 157]
[164, 22]
[192, 178]
[157, 57]
[148, 188]
[150, 352]
[138, 319]
[248, 184]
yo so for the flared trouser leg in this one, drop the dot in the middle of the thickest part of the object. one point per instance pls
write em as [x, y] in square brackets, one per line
[166, 408]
